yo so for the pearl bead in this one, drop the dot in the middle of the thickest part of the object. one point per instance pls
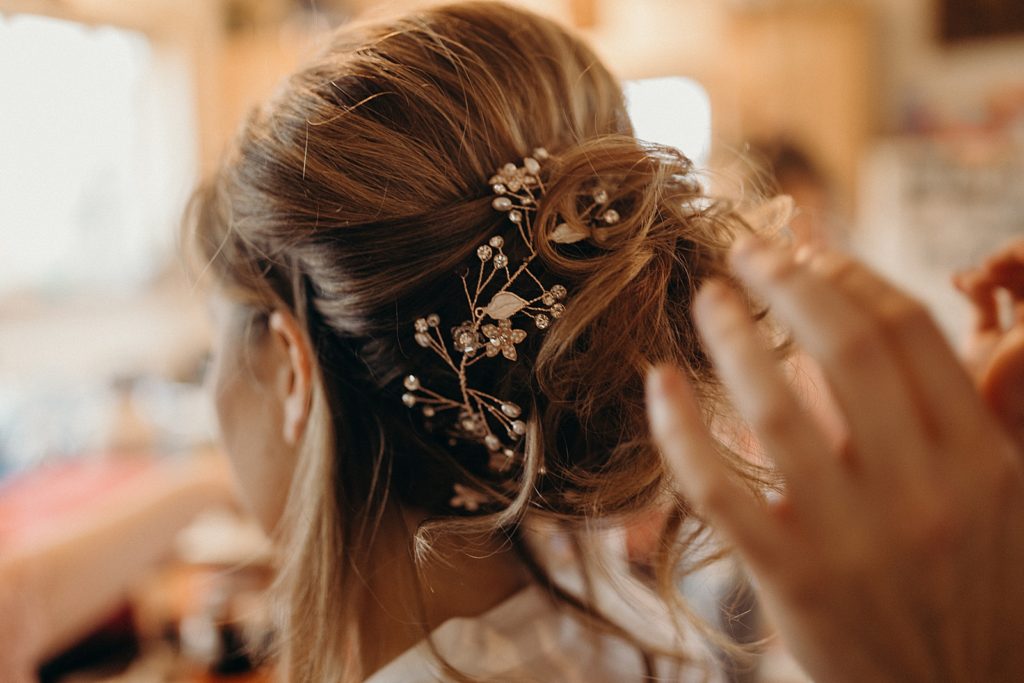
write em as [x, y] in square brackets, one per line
[412, 383]
[484, 253]
[511, 409]
[497, 242]
[502, 203]
[409, 400]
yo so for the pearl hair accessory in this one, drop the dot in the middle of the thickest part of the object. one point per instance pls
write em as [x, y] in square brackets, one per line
[493, 329]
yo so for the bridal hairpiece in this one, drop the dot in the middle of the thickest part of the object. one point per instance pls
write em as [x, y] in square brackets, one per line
[494, 328]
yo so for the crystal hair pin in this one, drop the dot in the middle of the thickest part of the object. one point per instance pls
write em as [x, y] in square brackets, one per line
[492, 329]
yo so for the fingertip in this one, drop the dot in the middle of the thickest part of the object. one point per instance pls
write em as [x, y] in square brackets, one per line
[745, 246]
[662, 380]
[712, 289]
[711, 296]
[958, 279]
[668, 399]
[654, 382]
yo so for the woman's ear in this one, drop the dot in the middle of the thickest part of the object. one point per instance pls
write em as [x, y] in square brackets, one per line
[293, 378]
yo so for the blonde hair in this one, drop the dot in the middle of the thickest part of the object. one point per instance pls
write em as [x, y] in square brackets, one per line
[355, 195]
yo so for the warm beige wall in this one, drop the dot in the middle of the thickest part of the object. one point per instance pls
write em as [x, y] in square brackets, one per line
[830, 73]
[808, 74]
[802, 72]
[919, 68]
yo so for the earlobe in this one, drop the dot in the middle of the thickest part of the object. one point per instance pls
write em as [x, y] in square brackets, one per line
[296, 381]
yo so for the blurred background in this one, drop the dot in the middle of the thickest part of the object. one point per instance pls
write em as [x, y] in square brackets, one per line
[898, 128]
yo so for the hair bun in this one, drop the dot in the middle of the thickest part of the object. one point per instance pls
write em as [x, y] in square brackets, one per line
[607, 191]
[632, 276]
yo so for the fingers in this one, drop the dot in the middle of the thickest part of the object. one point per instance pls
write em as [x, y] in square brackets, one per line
[760, 391]
[980, 289]
[849, 344]
[1006, 271]
[689, 450]
[929, 367]
[1006, 267]
[1002, 383]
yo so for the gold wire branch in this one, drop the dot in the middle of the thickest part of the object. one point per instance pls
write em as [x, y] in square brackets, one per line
[491, 331]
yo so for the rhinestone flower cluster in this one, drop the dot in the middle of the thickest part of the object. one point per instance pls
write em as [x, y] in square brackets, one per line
[494, 327]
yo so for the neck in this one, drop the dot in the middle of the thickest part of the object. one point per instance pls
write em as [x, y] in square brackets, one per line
[402, 603]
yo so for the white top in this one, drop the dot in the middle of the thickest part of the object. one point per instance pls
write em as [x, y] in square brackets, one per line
[529, 638]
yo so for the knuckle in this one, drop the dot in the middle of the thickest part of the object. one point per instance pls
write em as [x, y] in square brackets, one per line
[859, 342]
[781, 271]
[802, 584]
[714, 496]
[772, 418]
[902, 315]
[935, 529]
[834, 266]
[1007, 477]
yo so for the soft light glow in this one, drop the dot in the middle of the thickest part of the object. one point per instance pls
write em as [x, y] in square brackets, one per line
[96, 148]
[672, 111]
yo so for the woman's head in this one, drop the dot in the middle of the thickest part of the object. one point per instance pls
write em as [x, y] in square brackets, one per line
[347, 209]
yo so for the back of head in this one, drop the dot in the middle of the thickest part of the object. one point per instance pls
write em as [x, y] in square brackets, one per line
[357, 197]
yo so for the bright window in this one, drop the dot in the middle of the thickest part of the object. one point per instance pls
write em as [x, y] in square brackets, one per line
[96, 155]
[672, 111]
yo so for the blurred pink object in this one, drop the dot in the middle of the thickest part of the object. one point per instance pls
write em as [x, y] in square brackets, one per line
[39, 501]
[74, 538]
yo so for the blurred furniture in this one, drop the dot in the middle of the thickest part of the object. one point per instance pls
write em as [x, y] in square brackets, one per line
[75, 538]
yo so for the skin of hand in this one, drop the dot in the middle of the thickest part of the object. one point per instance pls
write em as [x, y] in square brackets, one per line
[995, 351]
[896, 555]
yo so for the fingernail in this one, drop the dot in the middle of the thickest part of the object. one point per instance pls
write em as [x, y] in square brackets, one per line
[658, 387]
[656, 383]
[662, 383]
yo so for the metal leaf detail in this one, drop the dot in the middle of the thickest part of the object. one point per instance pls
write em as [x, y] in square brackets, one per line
[504, 305]
[568, 234]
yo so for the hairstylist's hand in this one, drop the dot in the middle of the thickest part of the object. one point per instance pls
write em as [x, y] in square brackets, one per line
[996, 350]
[900, 556]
